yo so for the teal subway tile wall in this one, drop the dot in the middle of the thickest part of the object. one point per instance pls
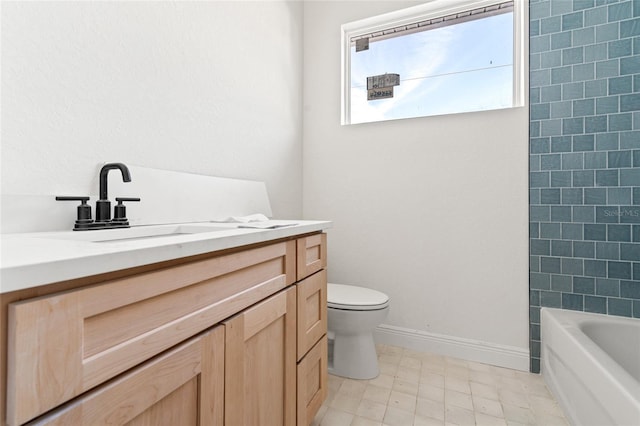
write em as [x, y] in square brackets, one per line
[584, 152]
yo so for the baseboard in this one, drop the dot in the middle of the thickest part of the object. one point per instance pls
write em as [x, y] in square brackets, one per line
[458, 347]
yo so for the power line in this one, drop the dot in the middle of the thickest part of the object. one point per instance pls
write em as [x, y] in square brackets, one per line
[443, 74]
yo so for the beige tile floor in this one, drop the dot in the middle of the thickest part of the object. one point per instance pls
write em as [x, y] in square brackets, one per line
[415, 389]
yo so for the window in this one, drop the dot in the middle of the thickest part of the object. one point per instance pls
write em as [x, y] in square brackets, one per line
[433, 59]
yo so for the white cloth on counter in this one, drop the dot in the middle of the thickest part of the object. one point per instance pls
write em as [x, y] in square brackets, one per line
[270, 224]
[256, 221]
[258, 217]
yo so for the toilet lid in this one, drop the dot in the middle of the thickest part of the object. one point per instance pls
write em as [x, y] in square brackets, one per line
[352, 298]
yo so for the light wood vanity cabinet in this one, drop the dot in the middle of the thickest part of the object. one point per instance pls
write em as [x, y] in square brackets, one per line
[213, 341]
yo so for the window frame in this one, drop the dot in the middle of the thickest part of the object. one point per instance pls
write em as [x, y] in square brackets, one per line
[432, 10]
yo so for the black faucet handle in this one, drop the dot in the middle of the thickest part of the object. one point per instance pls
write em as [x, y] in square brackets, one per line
[120, 210]
[72, 198]
[84, 210]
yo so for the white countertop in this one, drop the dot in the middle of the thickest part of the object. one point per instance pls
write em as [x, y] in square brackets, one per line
[34, 259]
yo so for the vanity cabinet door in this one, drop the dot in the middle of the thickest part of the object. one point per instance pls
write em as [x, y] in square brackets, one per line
[260, 368]
[312, 254]
[184, 386]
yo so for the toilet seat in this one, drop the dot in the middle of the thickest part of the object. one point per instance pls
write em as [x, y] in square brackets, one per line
[353, 298]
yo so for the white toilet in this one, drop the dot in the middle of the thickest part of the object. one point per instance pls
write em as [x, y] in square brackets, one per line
[353, 313]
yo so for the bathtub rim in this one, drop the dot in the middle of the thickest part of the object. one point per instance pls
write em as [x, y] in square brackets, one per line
[617, 380]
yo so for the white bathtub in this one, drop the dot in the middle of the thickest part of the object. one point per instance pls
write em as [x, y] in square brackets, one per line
[591, 363]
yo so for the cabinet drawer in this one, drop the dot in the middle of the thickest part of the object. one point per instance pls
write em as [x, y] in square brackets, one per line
[184, 386]
[312, 311]
[312, 254]
[312, 382]
[64, 344]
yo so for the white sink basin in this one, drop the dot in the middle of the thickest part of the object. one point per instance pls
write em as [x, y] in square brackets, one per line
[137, 233]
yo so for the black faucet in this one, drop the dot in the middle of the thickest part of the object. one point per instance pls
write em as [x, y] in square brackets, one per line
[103, 205]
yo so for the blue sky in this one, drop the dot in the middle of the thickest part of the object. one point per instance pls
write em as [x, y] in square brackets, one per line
[463, 67]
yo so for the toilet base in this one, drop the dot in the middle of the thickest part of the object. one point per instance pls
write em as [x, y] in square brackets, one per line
[356, 356]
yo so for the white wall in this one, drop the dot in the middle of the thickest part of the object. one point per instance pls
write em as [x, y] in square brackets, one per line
[432, 211]
[204, 87]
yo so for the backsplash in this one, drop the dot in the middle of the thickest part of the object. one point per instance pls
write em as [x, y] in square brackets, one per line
[584, 152]
[166, 197]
